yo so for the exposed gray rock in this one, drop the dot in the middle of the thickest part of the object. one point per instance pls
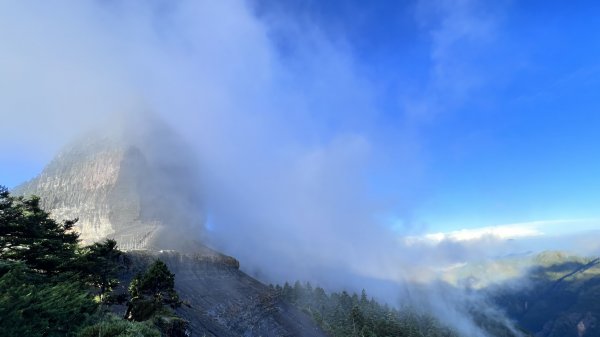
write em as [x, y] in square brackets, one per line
[222, 301]
[138, 187]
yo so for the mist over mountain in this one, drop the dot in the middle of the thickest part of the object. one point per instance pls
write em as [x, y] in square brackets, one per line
[139, 186]
[408, 148]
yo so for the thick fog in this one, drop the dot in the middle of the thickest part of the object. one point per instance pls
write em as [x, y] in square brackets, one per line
[299, 177]
[283, 139]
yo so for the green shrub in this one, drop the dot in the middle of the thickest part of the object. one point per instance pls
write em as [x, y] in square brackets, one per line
[117, 327]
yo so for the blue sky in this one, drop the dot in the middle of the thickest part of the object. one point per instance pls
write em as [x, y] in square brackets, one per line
[484, 113]
[519, 141]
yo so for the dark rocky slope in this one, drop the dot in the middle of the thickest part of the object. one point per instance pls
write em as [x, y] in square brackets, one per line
[222, 301]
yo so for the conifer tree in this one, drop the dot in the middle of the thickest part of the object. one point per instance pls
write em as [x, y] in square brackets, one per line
[99, 263]
[30, 235]
[150, 291]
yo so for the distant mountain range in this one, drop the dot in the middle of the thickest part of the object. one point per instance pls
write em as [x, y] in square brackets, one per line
[551, 294]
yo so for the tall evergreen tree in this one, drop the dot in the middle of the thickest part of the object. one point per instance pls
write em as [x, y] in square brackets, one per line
[30, 235]
[99, 264]
[149, 291]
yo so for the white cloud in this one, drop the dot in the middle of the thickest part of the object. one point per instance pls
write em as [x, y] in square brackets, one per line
[503, 232]
[509, 231]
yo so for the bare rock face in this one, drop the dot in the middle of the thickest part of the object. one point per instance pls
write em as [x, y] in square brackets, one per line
[137, 187]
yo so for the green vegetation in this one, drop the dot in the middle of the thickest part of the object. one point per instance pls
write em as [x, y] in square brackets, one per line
[151, 291]
[350, 315]
[113, 326]
[50, 286]
[158, 282]
[558, 297]
[35, 305]
[99, 264]
[346, 315]
[29, 235]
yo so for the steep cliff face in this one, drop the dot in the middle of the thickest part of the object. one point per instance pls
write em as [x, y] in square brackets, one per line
[132, 187]
[85, 182]
[222, 301]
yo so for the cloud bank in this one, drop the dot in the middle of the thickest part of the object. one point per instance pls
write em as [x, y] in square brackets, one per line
[283, 139]
[283, 120]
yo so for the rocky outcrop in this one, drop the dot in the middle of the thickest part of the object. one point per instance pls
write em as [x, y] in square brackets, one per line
[89, 181]
[133, 187]
[222, 301]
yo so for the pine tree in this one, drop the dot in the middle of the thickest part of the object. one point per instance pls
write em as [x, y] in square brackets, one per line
[286, 293]
[150, 291]
[28, 234]
[364, 301]
[344, 315]
[32, 304]
[358, 320]
[99, 263]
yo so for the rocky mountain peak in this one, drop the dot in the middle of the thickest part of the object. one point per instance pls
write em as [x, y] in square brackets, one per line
[135, 182]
